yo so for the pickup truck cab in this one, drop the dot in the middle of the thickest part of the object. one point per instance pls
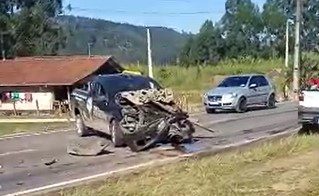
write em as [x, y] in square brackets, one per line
[94, 104]
[308, 110]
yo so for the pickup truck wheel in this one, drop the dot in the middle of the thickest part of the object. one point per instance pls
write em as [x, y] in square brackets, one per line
[241, 105]
[271, 103]
[116, 134]
[305, 129]
[81, 129]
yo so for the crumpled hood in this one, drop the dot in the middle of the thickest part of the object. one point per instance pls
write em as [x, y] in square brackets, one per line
[224, 90]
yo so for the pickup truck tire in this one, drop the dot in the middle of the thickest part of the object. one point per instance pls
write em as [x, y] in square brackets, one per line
[116, 133]
[305, 129]
[241, 106]
[271, 103]
[81, 129]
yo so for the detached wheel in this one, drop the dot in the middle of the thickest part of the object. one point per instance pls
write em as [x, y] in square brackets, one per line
[271, 103]
[241, 105]
[116, 134]
[81, 129]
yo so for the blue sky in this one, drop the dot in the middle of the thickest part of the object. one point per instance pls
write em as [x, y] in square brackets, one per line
[176, 14]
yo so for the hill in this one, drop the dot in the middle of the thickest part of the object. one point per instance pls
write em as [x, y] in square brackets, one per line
[126, 42]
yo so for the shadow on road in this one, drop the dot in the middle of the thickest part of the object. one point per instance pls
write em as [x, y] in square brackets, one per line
[249, 109]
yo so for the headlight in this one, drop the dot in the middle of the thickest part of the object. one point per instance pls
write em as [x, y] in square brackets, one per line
[234, 95]
[231, 95]
[205, 96]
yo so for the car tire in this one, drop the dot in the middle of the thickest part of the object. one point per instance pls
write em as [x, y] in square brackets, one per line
[81, 129]
[241, 105]
[271, 103]
[210, 111]
[116, 133]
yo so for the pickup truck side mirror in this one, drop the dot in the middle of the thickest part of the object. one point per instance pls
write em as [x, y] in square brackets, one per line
[252, 86]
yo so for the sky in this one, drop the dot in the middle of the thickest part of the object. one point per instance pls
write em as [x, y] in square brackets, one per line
[181, 15]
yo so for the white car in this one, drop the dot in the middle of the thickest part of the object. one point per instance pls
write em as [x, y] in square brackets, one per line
[240, 91]
[308, 110]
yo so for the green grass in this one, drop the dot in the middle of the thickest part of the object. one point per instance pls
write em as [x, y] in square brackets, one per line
[13, 128]
[204, 77]
[286, 167]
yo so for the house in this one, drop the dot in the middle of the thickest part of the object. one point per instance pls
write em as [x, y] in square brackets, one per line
[37, 83]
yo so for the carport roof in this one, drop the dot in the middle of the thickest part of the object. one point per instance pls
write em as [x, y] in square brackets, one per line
[50, 71]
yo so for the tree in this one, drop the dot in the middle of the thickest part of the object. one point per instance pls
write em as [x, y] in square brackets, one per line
[241, 26]
[206, 47]
[32, 27]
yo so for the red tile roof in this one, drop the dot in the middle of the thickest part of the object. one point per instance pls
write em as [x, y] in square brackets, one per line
[53, 71]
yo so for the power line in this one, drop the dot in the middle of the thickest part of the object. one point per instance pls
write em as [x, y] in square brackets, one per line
[144, 13]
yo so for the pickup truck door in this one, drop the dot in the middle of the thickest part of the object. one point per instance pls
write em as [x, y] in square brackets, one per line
[99, 107]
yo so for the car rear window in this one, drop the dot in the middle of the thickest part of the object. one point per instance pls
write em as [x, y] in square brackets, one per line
[235, 81]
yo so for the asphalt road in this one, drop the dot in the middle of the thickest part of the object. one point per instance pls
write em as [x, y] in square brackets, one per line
[23, 159]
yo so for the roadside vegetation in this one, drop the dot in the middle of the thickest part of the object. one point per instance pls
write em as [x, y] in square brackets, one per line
[285, 167]
[14, 128]
[204, 77]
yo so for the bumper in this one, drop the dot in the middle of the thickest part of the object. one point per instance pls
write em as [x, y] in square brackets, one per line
[308, 115]
[220, 105]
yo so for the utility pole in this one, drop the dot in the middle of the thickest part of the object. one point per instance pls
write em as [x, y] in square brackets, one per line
[287, 55]
[296, 73]
[149, 54]
[287, 45]
[89, 48]
[105, 44]
[2, 46]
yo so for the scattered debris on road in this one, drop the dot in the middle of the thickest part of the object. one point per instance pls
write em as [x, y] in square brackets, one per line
[88, 146]
[51, 162]
[20, 183]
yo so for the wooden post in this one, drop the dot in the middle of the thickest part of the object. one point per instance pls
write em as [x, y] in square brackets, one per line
[37, 105]
[14, 108]
[69, 97]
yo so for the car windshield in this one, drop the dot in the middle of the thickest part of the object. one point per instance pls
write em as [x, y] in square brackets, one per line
[238, 81]
[116, 85]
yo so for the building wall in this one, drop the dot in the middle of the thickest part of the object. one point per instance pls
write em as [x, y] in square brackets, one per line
[44, 99]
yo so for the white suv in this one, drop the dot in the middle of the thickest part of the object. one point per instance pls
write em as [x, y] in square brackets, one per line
[308, 110]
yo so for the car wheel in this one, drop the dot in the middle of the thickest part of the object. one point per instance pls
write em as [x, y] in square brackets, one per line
[210, 111]
[116, 134]
[271, 103]
[81, 129]
[241, 105]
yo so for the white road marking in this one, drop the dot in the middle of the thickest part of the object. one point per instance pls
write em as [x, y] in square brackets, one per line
[39, 120]
[143, 165]
[19, 135]
[17, 152]
[61, 184]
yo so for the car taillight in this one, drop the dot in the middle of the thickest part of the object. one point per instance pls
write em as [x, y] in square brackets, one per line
[301, 97]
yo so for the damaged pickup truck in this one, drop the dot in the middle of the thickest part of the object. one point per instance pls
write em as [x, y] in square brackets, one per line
[134, 110]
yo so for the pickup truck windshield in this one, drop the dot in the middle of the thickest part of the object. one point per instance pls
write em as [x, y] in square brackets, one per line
[239, 81]
[132, 84]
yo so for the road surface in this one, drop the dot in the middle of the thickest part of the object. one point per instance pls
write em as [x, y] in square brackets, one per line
[23, 159]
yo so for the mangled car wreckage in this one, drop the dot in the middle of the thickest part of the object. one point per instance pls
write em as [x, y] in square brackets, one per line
[133, 109]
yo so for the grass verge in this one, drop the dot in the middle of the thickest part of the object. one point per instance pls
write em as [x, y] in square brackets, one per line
[13, 128]
[201, 78]
[285, 167]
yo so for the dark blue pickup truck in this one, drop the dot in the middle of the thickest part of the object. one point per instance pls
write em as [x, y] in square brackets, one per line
[100, 104]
